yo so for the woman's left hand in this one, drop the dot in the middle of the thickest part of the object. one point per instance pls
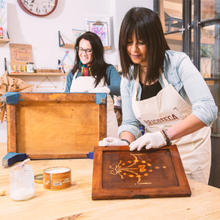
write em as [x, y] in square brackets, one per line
[149, 140]
[104, 89]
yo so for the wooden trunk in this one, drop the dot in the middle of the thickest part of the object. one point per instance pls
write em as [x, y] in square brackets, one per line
[119, 173]
[56, 125]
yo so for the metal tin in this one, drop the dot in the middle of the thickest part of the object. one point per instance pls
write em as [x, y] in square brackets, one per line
[30, 67]
[1, 32]
[57, 178]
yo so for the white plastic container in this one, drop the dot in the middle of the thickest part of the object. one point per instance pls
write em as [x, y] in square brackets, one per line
[22, 183]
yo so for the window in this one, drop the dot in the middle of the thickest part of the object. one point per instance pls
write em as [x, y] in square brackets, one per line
[193, 26]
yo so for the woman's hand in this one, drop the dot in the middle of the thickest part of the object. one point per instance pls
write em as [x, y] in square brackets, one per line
[111, 141]
[149, 140]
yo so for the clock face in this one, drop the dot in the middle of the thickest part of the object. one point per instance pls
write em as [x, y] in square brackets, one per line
[38, 7]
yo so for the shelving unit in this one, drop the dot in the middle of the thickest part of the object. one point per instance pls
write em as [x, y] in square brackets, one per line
[36, 74]
[72, 46]
[4, 41]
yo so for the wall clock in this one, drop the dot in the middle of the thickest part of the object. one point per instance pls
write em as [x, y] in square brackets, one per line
[38, 7]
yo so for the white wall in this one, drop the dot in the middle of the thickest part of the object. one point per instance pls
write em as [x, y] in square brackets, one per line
[42, 34]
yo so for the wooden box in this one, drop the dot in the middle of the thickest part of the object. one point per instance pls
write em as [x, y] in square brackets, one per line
[56, 125]
[119, 173]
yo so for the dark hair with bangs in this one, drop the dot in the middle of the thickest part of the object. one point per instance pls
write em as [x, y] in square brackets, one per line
[99, 66]
[148, 29]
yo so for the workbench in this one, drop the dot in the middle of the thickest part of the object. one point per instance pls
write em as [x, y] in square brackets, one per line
[76, 202]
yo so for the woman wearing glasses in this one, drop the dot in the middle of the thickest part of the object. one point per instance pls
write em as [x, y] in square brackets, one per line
[92, 74]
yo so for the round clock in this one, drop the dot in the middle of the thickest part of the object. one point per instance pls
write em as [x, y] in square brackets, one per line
[38, 7]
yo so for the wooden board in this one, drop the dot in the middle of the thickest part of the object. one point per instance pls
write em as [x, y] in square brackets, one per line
[119, 173]
[55, 125]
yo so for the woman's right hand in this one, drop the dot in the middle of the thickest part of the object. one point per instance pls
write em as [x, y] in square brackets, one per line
[111, 141]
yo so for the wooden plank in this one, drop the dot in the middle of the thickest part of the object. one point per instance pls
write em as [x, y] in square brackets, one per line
[56, 125]
[36, 74]
[57, 97]
[4, 41]
[102, 122]
[11, 128]
[143, 174]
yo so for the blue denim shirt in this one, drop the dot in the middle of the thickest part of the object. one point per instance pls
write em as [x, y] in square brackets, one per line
[187, 81]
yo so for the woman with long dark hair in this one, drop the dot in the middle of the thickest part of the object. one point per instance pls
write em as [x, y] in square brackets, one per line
[164, 91]
[92, 74]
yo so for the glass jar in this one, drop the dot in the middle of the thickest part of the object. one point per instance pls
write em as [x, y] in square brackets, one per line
[22, 183]
[30, 67]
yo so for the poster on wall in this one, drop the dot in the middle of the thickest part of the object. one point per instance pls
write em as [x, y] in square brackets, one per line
[20, 55]
[3, 17]
[100, 24]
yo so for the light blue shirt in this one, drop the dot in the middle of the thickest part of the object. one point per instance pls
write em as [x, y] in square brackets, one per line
[187, 81]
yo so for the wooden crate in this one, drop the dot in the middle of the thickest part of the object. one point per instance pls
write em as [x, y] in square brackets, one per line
[121, 174]
[56, 125]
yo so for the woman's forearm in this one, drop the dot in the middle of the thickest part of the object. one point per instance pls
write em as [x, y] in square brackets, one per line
[127, 136]
[187, 126]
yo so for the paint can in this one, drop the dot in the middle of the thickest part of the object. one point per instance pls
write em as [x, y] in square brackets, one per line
[30, 67]
[1, 32]
[57, 178]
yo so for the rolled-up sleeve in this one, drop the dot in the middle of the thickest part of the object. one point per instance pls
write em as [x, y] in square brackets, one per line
[129, 122]
[69, 79]
[113, 80]
[203, 104]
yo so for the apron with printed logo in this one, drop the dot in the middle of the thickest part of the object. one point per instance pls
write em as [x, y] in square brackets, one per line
[168, 108]
[87, 83]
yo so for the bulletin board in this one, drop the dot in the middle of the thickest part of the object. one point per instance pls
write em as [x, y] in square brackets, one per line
[119, 173]
[20, 54]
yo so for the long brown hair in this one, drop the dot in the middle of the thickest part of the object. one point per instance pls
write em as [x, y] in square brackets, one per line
[148, 29]
[99, 66]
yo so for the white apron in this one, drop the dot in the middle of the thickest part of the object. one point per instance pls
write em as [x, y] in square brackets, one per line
[168, 108]
[87, 83]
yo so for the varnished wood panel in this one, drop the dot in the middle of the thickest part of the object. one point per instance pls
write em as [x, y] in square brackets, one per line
[119, 173]
[11, 128]
[57, 125]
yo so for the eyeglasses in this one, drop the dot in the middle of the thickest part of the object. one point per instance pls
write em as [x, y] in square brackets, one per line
[87, 51]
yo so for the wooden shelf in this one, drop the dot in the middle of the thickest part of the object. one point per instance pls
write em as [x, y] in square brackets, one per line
[37, 74]
[68, 46]
[72, 46]
[4, 41]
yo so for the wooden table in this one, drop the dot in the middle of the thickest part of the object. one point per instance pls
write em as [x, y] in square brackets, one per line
[204, 204]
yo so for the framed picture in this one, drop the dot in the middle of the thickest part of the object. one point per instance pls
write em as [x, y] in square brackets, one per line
[119, 173]
[101, 29]
[20, 54]
[100, 24]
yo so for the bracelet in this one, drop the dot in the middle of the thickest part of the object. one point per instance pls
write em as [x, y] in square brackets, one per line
[126, 141]
[166, 137]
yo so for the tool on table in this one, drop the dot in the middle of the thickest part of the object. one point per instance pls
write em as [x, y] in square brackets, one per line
[21, 165]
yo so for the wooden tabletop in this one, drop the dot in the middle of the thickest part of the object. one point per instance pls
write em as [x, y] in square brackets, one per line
[76, 203]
